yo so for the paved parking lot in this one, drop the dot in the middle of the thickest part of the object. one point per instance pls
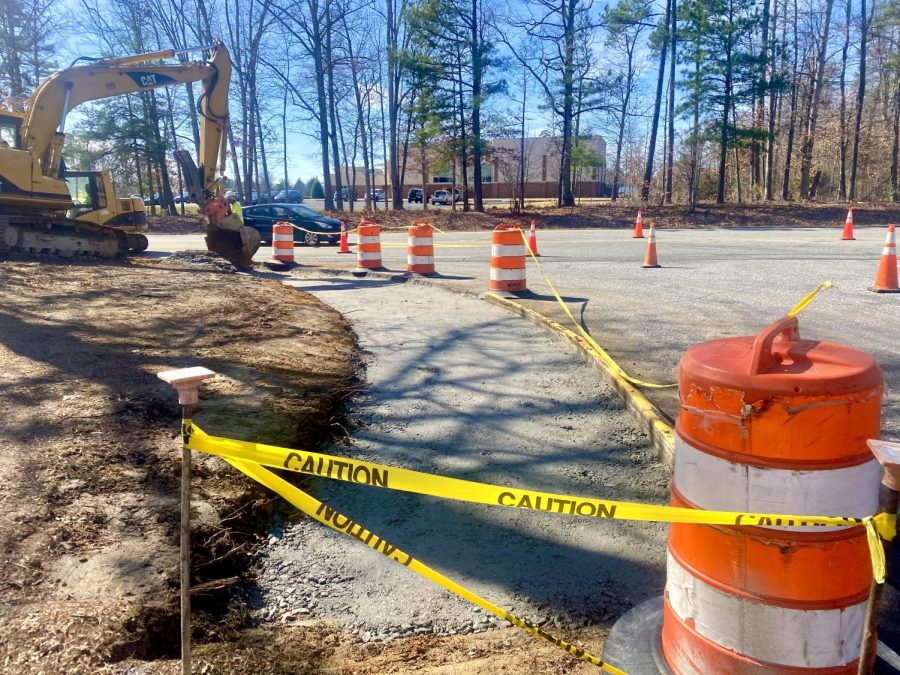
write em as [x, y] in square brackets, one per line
[713, 283]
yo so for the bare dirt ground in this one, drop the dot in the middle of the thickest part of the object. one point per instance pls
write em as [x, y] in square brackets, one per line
[89, 460]
[89, 470]
[621, 215]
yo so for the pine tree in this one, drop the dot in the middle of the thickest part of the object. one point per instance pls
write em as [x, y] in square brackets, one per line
[717, 33]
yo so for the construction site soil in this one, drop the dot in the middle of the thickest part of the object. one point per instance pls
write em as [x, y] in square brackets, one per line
[90, 464]
[621, 215]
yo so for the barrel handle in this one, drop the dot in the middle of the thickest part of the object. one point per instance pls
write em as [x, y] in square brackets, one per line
[788, 326]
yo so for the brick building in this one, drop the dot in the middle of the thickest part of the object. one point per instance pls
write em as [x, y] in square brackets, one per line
[500, 171]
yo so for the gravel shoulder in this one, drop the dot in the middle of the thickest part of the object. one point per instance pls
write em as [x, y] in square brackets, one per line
[458, 387]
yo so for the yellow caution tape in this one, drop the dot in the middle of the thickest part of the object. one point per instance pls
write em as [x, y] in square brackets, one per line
[809, 297]
[408, 480]
[327, 516]
[602, 353]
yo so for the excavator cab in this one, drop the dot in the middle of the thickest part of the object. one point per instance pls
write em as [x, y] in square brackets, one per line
[10, 129]
[94, 201]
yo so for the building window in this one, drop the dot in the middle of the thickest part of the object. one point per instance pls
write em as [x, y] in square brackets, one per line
[595, 173]
[487, 173]
[442, 175]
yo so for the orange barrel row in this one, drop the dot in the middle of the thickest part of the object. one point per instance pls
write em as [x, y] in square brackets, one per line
[420, 248]
[507, 259]
[283, 243]
[771, 424]
[368, 245]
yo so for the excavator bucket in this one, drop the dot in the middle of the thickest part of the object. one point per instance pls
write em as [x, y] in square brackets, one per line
[225, 234]
[232, 240]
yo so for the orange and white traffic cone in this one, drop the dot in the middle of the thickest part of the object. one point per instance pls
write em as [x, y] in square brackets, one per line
[886, 279]
[639, 226]
[848, 227]
[532, 240]
[650, 256]
[345, 245]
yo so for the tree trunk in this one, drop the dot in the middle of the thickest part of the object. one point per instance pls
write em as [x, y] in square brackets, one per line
[809, 141]
[566, 197]
[393, 103]
[477, 67]
[195, 127]
[792, 124]
[284, 148]
[332, 110]
[166, 199]
[267, 181]
[521, 201]
[360, 114]
[773, 111]
[760, 103]
[234, 165]
[319, 66]
[671, 145]
[463, 151]
[723, 139]
[651, 151]
[895, 146]
[842, 141]
[860, 96]
[737, 163]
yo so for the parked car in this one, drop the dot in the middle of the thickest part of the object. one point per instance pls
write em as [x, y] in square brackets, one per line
[317, 229]
[152, 201]
[185, 197]
[288, 197]
[377, 194]
[259, 198]
[414, 195]
[346, 195]
[443, 197]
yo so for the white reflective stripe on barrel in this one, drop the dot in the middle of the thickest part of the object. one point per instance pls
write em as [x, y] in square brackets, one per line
[368, 255]
[819, 638]
[420, 259]
[368, 240]
[420, 241]
[498, 274]
[712, 483]
[278, 236]
[507, 250]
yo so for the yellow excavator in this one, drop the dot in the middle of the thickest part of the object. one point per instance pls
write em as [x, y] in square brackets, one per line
[45, 209]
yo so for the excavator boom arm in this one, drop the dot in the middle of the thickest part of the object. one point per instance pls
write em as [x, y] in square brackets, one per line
[63, 91]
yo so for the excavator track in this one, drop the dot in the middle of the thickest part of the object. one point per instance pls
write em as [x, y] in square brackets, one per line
[35, 235]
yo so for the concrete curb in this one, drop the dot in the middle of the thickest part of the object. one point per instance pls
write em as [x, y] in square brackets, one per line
[648, 417]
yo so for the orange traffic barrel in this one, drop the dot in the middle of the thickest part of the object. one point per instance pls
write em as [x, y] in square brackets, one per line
[507, 259]
[771, 424]
[283, 243]
[420, 248]
[368, 245]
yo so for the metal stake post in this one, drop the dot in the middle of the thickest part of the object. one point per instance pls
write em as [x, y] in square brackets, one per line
[186, 382]
[888, 454]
